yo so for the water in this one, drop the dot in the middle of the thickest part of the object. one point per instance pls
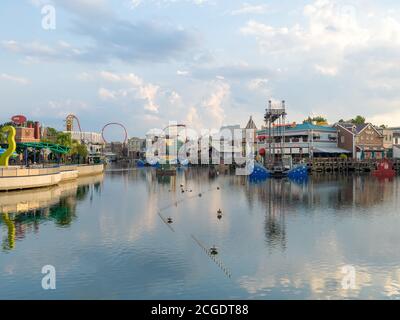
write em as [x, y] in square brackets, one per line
[108, 238]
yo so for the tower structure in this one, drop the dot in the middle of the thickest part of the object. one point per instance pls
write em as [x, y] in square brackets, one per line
[275, 120]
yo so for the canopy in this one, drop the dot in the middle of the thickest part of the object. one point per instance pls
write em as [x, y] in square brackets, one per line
[56, 148]
[330, 150]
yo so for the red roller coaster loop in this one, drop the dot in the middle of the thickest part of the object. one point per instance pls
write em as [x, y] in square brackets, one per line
[115, 124]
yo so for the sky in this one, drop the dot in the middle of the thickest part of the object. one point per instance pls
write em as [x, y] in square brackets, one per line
[204, 63]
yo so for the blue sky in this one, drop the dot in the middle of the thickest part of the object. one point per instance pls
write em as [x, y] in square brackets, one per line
[206, 63]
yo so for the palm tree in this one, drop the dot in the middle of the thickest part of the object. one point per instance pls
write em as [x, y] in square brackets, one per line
[78, 150]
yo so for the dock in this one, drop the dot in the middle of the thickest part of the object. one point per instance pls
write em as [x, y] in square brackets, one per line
[346, 165]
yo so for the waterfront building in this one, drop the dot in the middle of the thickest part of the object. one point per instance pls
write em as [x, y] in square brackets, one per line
[136, 148]
[387, 141]
[396, 142]
[92, 140]
[249, 126]
[363, 141]
[302, 141]
[30, 133]
[117, 149]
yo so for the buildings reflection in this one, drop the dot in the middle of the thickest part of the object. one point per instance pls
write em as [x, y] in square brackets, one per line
[342, 193]
[22, 212]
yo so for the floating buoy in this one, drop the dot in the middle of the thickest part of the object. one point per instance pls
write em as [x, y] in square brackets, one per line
[190, 191]
[217, 188]
[181, 185]
[213, 250]
[219, 211]
[183, 191]
[199, 194]
[169, 220]
[219, 216]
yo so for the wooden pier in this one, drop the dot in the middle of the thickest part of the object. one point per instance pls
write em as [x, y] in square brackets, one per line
[346, 165]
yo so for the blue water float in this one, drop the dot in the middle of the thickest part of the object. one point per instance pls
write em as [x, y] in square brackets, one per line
[259, 172]
[298, 172]
[140, 163]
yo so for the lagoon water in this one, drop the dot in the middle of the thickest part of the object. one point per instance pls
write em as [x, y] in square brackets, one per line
[108, 237]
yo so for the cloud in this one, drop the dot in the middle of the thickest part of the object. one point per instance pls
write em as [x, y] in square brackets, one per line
[108, 38]
[348, 61]
[214, 105]
[15, 79]
[238, 71]
[327, 71]
[182, 73]
[250, 9]
[137, 89]
[258, 84]
[36, 51]
[60, 108]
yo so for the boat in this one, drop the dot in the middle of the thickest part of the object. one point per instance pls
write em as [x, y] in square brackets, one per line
[279, 171]
[384, 169]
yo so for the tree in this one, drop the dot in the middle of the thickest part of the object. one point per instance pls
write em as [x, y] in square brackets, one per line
[358, 120]
[64, 139]
[78, 150]
[319, 120]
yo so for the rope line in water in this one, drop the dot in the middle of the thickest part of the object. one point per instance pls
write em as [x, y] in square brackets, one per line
[218, 262]
[188, 198]
[165, 221]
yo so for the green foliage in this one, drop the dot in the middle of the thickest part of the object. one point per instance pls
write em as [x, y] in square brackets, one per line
[358, 120]
[317, 119]
[57, 137]
[78, 149]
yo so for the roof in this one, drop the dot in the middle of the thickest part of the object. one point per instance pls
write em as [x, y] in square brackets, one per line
[44, 145]
[305, 127]
[360, 127]
[251, 124]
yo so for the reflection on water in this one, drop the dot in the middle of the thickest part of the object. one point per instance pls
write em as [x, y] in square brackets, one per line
[23, 211]
[134, 235]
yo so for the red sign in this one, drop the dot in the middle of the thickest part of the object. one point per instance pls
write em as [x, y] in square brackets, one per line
[19, 119]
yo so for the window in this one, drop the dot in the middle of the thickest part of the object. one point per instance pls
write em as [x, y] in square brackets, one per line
[342, 139]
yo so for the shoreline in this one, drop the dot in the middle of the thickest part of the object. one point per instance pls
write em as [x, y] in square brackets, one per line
[17, 178]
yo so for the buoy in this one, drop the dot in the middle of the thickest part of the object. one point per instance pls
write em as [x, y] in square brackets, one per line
[219, 216]
[217, 188]
[213, 250]
[219, 211]
[170, 220]
[199, 194]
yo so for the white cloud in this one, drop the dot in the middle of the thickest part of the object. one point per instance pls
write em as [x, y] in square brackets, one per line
[138, 88]
[326, 71]
[214, 105]
[60, 108]
[258, 84]
[182, 73]
[250, 9]
[19, 80]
